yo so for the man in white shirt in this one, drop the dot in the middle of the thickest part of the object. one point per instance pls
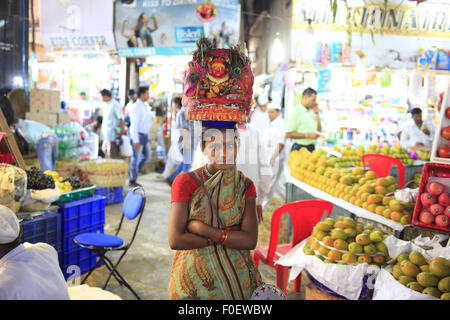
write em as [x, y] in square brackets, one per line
[274, 138]
[27, 271]
[253, 161]
[132, 97]
[260, 119]
[417, 132]
[140, 126]
[113, 125]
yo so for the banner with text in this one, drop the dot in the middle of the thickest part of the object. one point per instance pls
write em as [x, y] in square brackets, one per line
[77, 25]
[425, 20]
[172, 27]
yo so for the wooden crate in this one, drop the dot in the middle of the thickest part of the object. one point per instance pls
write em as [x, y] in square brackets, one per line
[312, 293]
[412, 232]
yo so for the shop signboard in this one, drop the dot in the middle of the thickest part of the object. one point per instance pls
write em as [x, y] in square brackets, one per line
[172, 27]
[397, 18]
[77, 25]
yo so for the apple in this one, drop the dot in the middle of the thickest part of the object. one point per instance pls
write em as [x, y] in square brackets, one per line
[442, 221]
[445, 133]
[435, 188]
[427, 199]
[444, 199]
[426, 217]
[447, 113]
[444, 152]
[436, 209]
[447, 211]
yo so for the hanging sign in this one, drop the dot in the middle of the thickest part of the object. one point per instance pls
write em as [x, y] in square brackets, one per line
[77, 25]
[426, 20]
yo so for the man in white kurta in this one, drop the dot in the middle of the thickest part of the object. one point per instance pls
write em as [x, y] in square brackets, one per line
[253, 161]
[274, 138]
[260, 118]
[27, 271]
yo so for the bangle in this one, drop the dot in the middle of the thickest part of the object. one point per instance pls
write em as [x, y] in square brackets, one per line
[223, 237]
[226, 237]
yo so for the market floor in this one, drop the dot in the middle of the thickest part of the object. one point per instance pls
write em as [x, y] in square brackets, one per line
[147, 264]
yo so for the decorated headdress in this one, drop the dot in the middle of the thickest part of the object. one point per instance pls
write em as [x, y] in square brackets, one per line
[219, 84]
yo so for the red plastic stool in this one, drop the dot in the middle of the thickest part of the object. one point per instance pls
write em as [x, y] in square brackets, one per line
[382, 165]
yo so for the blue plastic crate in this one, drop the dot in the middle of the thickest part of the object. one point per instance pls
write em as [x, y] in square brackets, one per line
[83, 258]
[113, 195]
[81, 214]
[67, 242]
[45, 228]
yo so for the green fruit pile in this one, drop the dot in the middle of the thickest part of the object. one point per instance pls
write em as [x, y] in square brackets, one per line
[343, 241]
[428, 277]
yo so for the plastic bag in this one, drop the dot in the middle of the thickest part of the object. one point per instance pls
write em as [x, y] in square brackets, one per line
[13, 184]
[125, 148]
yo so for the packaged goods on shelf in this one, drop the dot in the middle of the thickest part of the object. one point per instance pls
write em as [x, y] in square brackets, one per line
[13, 184]
[105, 173]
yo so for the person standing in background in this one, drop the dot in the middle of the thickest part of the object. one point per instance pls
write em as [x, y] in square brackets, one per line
[140, 125]
[173, 156]
[417, 133]
[132, 98]
[253, 161]
[260, 118]
[304, 125]
[113, 125]
[43, 140]
[274, 138]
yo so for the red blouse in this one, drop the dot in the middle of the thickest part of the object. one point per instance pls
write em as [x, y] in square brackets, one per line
[184, 186]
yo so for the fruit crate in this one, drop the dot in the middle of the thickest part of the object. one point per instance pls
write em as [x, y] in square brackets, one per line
[429, 170]
[81, 214]
[76, 195]
[113, 195]
[438, 140]
[67, 241]
[44, 228]
[83, 258]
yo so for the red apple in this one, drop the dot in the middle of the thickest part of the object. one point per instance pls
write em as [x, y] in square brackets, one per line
[447, 211]
[447, 113]
[444, 199]
[427, 199]
[426, 217]
[435, 188]
[436, 209]
[445, 133]
[442, 221]
[444, 152]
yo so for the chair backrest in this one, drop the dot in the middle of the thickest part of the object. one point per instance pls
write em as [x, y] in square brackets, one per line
[304, 216]
[382, 164]
[133, 207]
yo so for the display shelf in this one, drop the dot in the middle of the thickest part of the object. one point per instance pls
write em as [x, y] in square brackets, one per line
[439, 141]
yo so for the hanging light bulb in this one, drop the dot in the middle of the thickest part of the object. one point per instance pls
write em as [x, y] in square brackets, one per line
[308, 44]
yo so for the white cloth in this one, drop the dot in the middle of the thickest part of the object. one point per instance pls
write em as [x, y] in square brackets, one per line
[128, 107]
[260, 120]
[253, 161]
[412, 134]
[85, 292]
[140, 120]
[273, 137]
[31, 272]
[9, 225]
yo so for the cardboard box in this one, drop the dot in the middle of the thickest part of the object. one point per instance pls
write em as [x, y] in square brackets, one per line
[47, 118]
[45, 101]
[63, 117]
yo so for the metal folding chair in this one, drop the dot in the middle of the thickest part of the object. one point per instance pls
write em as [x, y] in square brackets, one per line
[101, 243]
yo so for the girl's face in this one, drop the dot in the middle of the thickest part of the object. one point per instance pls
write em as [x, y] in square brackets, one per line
[221, 149]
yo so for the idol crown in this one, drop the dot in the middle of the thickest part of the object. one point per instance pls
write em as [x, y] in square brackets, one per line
[219, 83]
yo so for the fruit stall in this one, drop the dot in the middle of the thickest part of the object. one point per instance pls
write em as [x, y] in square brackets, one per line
[54, 207]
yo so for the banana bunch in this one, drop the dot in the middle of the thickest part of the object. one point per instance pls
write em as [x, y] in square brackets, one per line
[63, 187]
